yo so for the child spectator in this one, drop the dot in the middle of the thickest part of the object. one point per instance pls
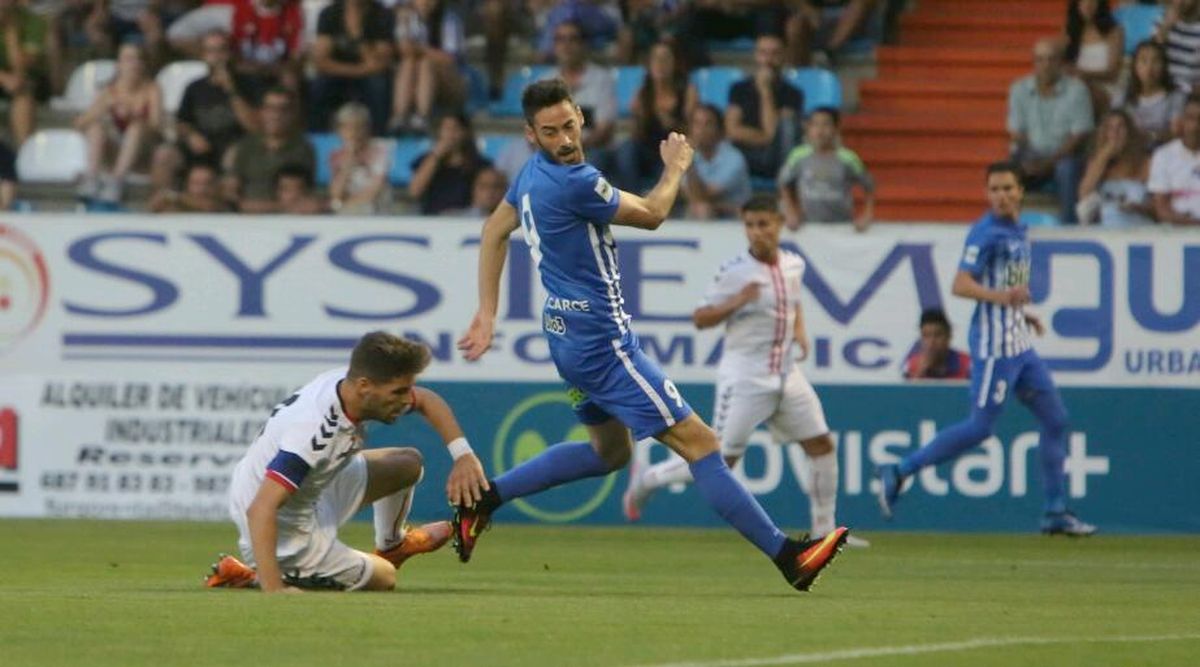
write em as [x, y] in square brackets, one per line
[819, 178]
[1152, 96]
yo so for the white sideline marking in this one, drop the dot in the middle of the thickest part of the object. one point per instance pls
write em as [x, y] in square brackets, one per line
[917, 649]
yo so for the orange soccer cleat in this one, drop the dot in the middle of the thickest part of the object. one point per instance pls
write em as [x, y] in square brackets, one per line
[229, 572]
[421, 540]
[809, 557]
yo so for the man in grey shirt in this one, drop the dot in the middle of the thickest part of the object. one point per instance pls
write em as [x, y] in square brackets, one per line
[594, 89]
[817, 181]
[1049, 118]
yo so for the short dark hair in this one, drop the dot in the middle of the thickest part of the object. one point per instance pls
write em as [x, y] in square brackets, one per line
[834, 114]
[761, 202]
[715, 111]
[1194, 98]
[294, 170]
[1006, 167]
[935, 316]
[542, 94]
[280, 91]
[381, 357]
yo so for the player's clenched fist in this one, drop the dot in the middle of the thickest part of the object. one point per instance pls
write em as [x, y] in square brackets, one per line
[676, 151]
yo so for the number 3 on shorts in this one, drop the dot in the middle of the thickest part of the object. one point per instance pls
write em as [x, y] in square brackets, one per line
[672, 393]
[999, 392]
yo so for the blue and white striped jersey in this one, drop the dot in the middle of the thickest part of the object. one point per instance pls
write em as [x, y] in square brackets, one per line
[565, 212]
[997, 255]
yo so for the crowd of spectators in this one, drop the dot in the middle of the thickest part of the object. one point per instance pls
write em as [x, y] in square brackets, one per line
[1111, 141]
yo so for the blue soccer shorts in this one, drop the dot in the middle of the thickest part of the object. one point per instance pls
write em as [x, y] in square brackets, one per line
[620, 382]
[994, 379]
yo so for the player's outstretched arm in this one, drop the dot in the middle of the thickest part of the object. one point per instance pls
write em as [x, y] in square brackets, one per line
[706, 317]
[493, 250]
[966, 286]
[262, 518]
[650, 211]
[466, 482]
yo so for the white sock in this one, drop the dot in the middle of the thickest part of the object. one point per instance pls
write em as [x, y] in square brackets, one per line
[390, 514]
[822, 486]
[672, 471]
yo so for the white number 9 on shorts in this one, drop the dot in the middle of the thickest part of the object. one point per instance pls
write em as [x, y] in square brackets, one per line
[672, 392]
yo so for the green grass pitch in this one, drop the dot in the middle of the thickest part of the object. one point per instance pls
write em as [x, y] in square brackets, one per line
[119, 593]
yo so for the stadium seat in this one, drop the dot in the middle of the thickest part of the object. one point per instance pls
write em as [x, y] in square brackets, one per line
[324, 144]
[492, 145]
[1039, 219]
[81, 88]
[629, 82]
[52, 156]
[407, 150]
[1138, 21]
[736, 45]
[509, 105]
[713, 84]
[477, 88]
[174, 79]
[821, 87]
[763, 184]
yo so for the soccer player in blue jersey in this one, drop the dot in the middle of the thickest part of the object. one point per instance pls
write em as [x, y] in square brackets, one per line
[994, 272]
[565, 208]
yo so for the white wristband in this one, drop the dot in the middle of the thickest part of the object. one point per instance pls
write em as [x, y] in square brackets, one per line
[459, 447]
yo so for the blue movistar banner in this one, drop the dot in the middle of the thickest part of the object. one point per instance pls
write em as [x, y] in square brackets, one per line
[1131, 467]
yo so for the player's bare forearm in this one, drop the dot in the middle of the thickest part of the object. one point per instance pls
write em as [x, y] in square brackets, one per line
[493, 251]
[262, 519]
[662, 198]
[706, 317]
[967, 287]
[437, 412]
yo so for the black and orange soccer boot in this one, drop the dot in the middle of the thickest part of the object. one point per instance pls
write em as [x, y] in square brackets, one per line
[801, 561]
[420, 540]
[468, 524]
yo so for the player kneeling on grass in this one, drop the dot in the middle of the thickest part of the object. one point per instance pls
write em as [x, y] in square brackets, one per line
[756, 295]
[307, 473]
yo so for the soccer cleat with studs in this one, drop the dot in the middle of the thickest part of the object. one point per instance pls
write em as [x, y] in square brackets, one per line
[1066, 523]
[229, 572]
[468, 524]
[810, 557]
[420, 540]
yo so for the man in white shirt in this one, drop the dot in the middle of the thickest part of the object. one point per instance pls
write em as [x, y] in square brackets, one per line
[756, 295]
[1175, 172]
[307, 473]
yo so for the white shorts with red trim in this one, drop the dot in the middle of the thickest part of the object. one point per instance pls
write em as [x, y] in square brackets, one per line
[788, 404]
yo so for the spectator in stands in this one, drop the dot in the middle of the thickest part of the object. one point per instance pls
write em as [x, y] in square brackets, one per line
[933, 358]
[513, 156]
[126, 115]
[265, 38]
[361, 166]
[431, 43]
[1095, 48]
[186, 34]
[8, 177]
[823, 27]
[352, 57]
[112, 23]
[661, 106]
[1113, 189]
[294, 191]
[1152, 96]
[52, 12]
[498, 20]
[486, 192]
[201, 193]
[719, 181]
[765, 112]
[1049, 118]
[1175, 171]
[1179, 31]
[24, 79]
[592, 87]
[257, 158]
[819, 177]
[442, 178]
[704, 20]
[216, 111]
[597, 20]
[644, 24]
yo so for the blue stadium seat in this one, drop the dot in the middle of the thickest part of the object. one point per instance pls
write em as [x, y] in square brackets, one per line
[492, 145]
[737, 45]
[629, 82]
[821, 87]
[407, 150]
[1138, 22]
[477, 89]
[1039, 219]
[762, 184]
[510, 103]
[324, 144]
[713, 84]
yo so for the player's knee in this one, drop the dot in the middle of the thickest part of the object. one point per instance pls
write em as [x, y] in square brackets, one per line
[818, 446]
[406, 464]
[383, 576]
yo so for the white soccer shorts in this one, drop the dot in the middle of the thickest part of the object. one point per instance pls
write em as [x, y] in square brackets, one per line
[788, 404]
[310, 555]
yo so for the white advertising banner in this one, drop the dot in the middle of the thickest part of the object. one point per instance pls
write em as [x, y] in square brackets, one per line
[139, 355]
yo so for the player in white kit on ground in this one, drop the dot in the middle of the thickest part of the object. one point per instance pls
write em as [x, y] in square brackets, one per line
[756, 295]
[307, 473]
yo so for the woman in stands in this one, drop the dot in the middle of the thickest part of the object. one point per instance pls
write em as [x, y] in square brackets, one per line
[1113, 189]
[1095, 48]
[661, 106]
[442, 177]
[120, 125]
[360, 167]
[1152, 97]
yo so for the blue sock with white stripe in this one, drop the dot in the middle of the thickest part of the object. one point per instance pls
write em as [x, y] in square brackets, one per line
[562, 463]
[949, 443]
[735, 504]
